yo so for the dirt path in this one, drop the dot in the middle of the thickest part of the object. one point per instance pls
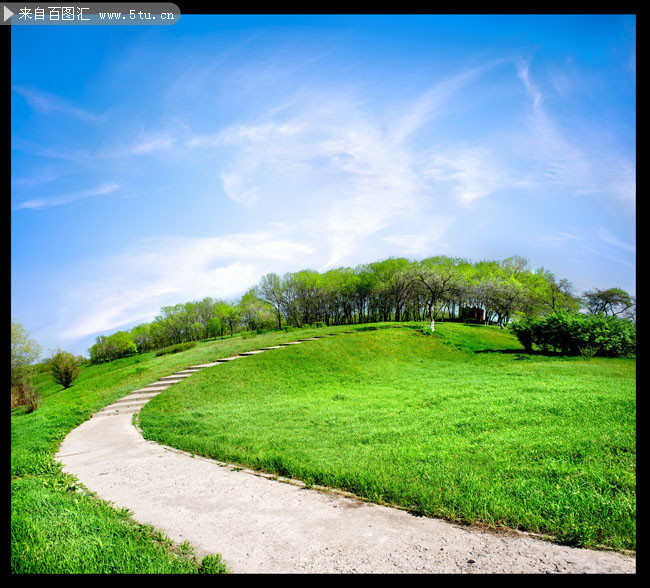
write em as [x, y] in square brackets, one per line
[261, 525]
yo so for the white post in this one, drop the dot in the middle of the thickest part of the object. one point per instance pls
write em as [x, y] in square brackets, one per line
[433, 325]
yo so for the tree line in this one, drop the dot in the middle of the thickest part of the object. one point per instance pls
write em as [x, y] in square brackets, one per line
[394, 289]
[542, 309]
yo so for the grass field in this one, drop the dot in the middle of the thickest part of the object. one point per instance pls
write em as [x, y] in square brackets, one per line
[56, 527]
[460, 424]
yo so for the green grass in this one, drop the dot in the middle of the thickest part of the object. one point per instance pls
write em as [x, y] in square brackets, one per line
[57, 527]
[432, 423]
[460, 424]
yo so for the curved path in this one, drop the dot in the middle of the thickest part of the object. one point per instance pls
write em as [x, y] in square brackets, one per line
[261, 525]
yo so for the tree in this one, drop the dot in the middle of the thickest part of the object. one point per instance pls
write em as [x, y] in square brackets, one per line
[65, 368]
[610, 302]
[117, 345]
[270, 290]
[121, 344]
[437, 276]
[215, 327]
[630, 313]
[141, 336]
[24, 352]
[255, 312]
[231, 317]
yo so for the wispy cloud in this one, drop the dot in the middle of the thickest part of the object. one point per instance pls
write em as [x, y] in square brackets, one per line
[362, 172]
[420, 244]
[38, 178]
[47, 103]
[236, 188]
[151, 143]
[133, 286]
[429, 103]
[607, 237]
[42, 203]
[559, 237]
[472, 171]
[564, 163]
[581, 164]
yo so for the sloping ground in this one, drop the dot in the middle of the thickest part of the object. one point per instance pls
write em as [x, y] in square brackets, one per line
[261, 525]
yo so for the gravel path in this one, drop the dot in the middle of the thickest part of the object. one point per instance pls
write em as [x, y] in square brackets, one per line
[261, 525]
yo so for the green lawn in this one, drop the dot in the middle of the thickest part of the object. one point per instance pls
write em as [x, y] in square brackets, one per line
[460, 424]
[56, 527]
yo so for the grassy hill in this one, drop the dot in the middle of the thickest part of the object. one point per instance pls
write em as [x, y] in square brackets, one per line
[57, 527]
[459, 424]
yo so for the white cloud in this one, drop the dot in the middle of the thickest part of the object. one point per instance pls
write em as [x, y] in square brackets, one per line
[236, 187]
[607, 237]
[149, 144]
[47, 103]
[419, 245]
[42, 203]
[428, 104]
[472, 171]
[585, 165]
[360, 173]
[132, 287]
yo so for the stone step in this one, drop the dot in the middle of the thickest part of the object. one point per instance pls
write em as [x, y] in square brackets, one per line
[206, 365]
[138, 398]
[126, 403]
[169, 380]
[153, 387]
[174, 377]
[117, 412]
[139, 395]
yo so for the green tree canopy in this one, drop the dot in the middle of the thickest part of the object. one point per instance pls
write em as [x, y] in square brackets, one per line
[24, 352]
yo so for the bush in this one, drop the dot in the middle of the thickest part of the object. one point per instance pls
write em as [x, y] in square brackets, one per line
[23, 393]
[577, 334]
[176, 348]
[65, 368]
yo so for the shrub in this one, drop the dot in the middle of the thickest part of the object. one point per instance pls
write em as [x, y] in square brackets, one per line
[65, 368]
[176, 348]
[23, 393]
[577, 334]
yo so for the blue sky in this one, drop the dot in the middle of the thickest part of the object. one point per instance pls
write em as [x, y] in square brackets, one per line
[155, 165]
